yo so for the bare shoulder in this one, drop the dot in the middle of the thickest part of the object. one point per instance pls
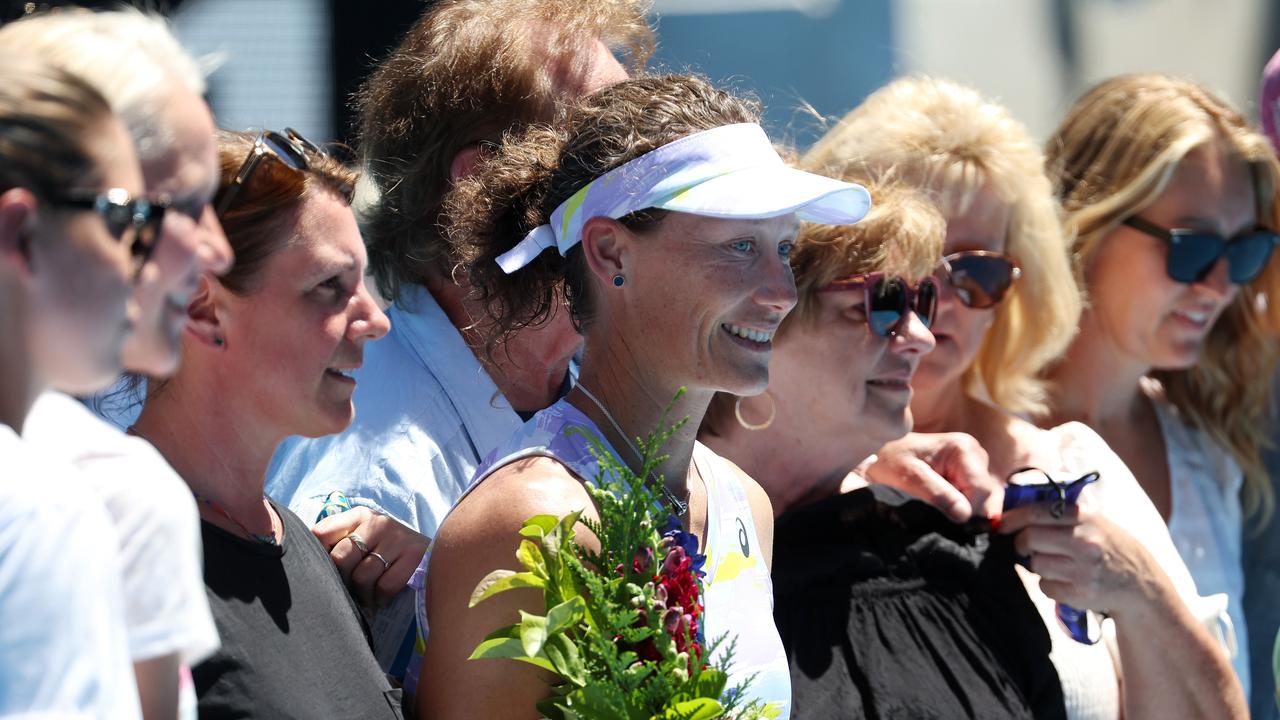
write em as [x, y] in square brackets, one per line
[482, 535]
[512, 494]
[761, 507]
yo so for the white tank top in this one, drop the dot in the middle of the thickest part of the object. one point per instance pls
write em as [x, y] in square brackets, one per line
[737, 590]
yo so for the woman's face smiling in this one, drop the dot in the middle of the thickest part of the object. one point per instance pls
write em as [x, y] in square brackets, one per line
[959, 329]
[1147, 316]
[703, 298]
[296, 336]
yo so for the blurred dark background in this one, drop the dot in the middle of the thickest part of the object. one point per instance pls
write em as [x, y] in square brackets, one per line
[298, 62]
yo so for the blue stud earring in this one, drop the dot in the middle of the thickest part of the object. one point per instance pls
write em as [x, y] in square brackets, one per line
[619, 281]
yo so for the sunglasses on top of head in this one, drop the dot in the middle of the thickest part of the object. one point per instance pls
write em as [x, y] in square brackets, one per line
[289, 148]
[979, 278]
[888, 298]
[135, 221]
[1193, 253]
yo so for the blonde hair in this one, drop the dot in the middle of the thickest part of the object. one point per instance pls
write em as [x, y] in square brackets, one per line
[467, 72]
[129, 56]
[1113, 155]
[947, 139]
[47, 119]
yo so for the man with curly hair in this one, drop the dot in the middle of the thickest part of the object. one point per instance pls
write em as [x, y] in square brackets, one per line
[431, 400]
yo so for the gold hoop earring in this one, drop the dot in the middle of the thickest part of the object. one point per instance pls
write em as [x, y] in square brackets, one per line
[773, 412]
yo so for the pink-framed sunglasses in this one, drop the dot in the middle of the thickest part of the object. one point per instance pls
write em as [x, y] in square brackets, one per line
[888, 299]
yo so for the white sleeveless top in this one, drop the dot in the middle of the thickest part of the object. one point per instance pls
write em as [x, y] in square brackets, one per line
[1206, 520]
[737, 590]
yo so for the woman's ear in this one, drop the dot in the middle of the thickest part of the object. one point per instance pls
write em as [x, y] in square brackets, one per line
[465, 162]
[204, 311]
[606, 245]
[17, 216]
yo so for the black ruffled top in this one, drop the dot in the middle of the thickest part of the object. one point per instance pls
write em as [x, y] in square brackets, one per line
[887, 609]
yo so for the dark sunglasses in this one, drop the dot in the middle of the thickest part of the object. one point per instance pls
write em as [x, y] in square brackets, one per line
[131, 220]
[980, 278]
[291, 149]
[1193, 253]
[887, 300]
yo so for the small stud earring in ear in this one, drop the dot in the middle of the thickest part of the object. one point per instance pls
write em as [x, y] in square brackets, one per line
[219, 341]
[619, 281]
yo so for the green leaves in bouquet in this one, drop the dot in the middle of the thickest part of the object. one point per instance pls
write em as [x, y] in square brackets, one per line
[603, 607]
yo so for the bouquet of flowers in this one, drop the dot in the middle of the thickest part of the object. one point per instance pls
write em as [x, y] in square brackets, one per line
[622, 629]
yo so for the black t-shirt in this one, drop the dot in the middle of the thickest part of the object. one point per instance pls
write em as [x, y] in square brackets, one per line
[889, 610]
[293, 643]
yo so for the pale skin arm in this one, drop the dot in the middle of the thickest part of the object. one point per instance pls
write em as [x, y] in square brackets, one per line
[158, 686]
[1172, 666]
[947, 470]
[482, 535]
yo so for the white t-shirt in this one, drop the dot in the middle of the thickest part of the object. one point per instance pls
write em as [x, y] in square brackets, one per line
[156, 520]
[62, 640]
[1088, 672]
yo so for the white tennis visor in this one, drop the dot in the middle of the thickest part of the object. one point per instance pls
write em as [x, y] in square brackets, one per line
[727, 172]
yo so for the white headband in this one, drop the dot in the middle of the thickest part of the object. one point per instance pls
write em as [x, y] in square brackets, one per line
[728, 172]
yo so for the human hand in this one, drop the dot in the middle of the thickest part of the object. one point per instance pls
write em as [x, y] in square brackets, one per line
[1083, 559]
[379, 565]
[947, 470]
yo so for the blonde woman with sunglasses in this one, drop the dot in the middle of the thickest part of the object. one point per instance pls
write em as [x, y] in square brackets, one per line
[1008, 306]
[886, 606]
[67, 170]
[1173, 239]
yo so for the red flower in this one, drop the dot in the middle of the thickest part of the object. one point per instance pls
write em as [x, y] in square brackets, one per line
[681, 620]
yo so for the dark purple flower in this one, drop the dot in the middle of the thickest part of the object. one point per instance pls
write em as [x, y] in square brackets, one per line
[686, 541]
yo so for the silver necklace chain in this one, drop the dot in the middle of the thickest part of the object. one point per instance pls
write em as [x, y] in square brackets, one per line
[681, 506]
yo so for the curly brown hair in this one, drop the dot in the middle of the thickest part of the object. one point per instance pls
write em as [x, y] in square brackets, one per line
[467, 71]
[517, 189]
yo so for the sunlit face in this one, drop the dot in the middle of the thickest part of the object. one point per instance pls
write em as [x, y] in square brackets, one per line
[81, 277]
[1146, 315]
[958, 329]
[297, 335]
[703, 298]
[190, 242]
[850, 382]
